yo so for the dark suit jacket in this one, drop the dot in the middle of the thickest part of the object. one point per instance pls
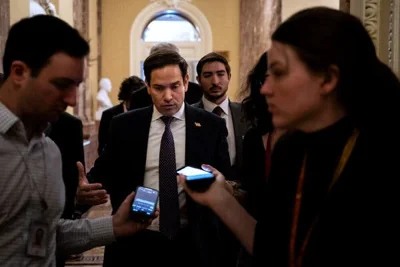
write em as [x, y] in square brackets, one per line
[67, 133]
[239, 126]
[141, 98]
[105, 121]
[121, 169]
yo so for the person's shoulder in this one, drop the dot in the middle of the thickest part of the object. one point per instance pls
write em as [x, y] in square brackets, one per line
[50, 147]
[234, 104]
[69, 117]
[205, 116]
[197, 104]
[113, 110]
[289, 142]
[133, 114]
[66, 121]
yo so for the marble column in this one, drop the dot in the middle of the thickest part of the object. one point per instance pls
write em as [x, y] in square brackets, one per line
[81, 22]
[258, 20]
[99, 31]
[394, 36]
[4, 27]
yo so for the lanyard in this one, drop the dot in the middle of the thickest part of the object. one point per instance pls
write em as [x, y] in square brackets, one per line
[297, 261]
[43, 202]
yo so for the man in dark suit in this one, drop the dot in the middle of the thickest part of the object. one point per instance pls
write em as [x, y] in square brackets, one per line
[214, 74]
[185, 233]
[127, 88]
[67, 133]
[141, 98]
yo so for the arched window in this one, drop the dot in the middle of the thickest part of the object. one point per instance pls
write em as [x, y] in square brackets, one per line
[185, 26]
[171, 26]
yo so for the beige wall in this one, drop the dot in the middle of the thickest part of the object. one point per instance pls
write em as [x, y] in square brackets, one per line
[117, 20]
[18, 9]
[289, 7]
[223, 16]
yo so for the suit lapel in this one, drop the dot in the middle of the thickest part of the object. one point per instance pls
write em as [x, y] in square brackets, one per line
[238, 127]
[199, 104]
[193, 135]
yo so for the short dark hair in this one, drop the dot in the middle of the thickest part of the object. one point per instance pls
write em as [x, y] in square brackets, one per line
[128, 86]
[36, 39]
[212, 57]
[324, 37]
[161, 59]
[164, 46]
[1, 78]
[254, 105]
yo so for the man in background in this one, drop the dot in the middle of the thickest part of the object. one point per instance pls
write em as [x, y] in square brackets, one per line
[128, 87]
[213, 76]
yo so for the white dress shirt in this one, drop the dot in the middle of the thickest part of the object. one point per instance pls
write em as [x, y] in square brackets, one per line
[227, 115]
[151, 175]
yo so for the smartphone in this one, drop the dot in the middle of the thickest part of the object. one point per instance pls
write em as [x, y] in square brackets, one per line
[145, 203]
[197, 179]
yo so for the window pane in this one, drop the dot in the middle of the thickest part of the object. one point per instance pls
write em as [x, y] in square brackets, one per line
[170, 27]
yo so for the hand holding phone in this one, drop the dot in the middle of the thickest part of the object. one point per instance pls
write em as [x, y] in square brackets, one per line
[145, 203]
[197, 179]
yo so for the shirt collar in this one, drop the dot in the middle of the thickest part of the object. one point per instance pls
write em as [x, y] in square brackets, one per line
[209, 106]
[7, 119]
[180, 115]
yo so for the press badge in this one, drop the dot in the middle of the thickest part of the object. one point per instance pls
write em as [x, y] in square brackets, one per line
[37, 242]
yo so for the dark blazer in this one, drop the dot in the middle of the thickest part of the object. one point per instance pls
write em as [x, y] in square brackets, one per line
[121, 169]
[240, 127]
[67, 133]
[105, 121]
[141, 98]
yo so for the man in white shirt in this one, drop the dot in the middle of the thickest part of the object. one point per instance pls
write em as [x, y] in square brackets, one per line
[213, 76]
[43, 64]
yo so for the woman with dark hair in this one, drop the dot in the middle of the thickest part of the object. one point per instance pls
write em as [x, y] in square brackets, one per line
[332, 194]
[259, 140]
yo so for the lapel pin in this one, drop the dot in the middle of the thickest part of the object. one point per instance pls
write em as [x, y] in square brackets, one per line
[197, 124]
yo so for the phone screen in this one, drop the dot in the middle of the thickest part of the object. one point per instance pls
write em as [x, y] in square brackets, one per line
[195, 173]
[145, 201]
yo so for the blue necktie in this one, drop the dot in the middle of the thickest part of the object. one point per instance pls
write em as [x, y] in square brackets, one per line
[169, 200]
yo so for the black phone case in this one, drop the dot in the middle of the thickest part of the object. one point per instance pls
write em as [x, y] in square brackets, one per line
[140, 216]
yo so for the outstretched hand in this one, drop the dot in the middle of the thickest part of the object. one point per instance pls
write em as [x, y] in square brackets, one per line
[89, 194]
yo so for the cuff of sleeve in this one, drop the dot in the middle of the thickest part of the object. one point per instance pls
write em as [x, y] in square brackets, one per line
[102, 231]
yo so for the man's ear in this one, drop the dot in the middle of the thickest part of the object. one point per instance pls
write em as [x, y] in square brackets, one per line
[198, 79]
[19, 71]
[330, 79]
